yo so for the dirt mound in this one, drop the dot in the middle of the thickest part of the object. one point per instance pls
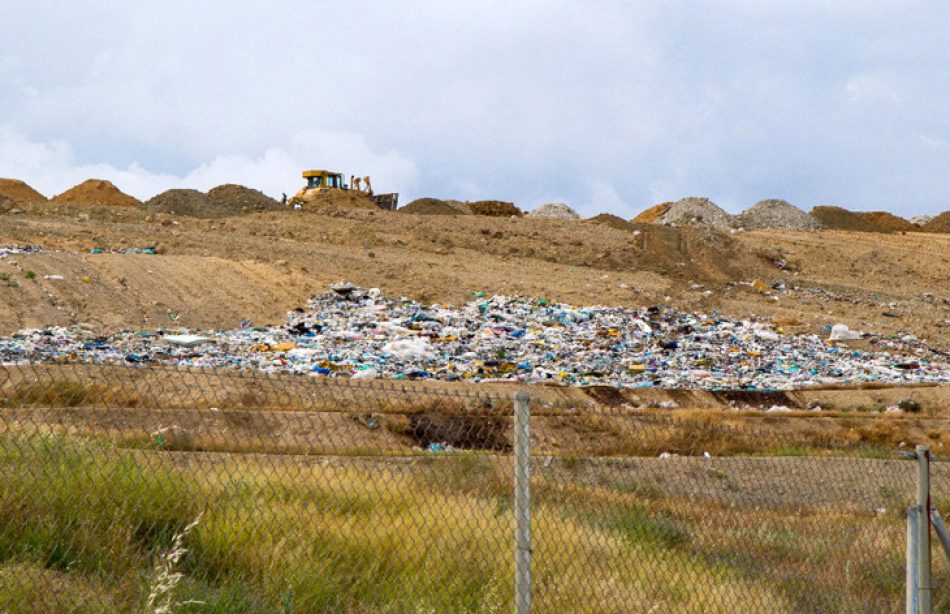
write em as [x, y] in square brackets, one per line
[433, 206]
[232, 199]
[495, 208]
[339, 201]
[554, 211]
[20, 192]
[461, 207]
[181, 202]
[696, 211]
[96, 192]
[837, 218]
[614, 221]
[774, 213]
[888, 221]
[941, 223]
[653, 214]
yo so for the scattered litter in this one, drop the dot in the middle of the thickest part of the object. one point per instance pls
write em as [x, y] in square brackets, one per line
[14, 250]
[841, 332]
[359, 333]
[188, 341]
[150, 250]
[53, 277]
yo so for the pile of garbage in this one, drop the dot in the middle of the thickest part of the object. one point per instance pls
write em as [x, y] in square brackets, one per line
[13, 250]
[354, 332]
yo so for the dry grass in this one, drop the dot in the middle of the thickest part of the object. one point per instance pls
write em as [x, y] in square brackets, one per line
[418, 534]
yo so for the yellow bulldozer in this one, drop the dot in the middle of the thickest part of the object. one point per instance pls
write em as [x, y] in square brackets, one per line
[322, 181]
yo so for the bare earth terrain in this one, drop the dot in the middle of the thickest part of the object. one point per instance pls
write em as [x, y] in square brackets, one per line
[215, 273]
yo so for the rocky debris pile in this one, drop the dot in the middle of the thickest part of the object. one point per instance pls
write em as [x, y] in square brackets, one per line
[96, 192]
[191, 203]
[921, 220]
[941, 223]
[653, 214]
[554, 211]
[614, 221]
[434, 206]
[233, 199]
[774, 213]
[354, 332]
[495, 208]
[19, 192]
[888, 221]
[696, 211]
[837, 218]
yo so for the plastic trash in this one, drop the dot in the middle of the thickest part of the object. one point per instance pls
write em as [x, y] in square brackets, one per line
[351, 332]
[841, 332]
[188, 341]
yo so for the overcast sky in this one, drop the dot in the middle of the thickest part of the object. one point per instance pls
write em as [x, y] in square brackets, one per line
[608, 106]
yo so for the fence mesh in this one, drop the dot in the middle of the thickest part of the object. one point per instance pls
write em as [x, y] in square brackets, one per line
[134, 489]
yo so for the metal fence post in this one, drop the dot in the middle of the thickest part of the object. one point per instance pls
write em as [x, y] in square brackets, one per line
[522, 503]
[913, 550]
[923, 526]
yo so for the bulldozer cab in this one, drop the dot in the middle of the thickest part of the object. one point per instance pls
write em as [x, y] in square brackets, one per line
[319, 179]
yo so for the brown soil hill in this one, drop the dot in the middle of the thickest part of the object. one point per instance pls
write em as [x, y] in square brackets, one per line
[888, 221]
[340, 202]
[495, 208]
[233, 199]
[181, 202]
[941, 223]
[614, 221]
[431, 206]
[837, 218]
[96, 192]
[653, 214]
[20, 192]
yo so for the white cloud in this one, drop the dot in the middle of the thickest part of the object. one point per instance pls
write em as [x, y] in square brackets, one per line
[811, 101]
[51, 167]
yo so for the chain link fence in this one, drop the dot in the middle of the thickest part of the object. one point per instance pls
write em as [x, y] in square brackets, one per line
[159, 490]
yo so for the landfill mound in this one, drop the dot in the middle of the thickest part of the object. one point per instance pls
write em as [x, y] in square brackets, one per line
[775, 213]
[941, 223]
[888, 221]
[19, 192]
[339, 201]
[495, 208]
[554, 211]
[434, 206]
[921, 220]
[506, 338]
[96, 192]
[696, 211]
[838, 218]
[614, 221]
[653, 214]
[191, 203]
[233, 199]
[460, 206]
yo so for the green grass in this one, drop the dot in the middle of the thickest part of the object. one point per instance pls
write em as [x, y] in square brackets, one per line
[428, 534]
